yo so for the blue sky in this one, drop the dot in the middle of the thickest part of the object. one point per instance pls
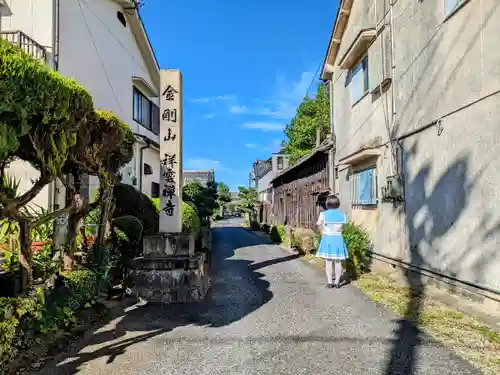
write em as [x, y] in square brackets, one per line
[246, 67]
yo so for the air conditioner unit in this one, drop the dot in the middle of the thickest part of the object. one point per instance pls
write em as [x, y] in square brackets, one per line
[393, 190]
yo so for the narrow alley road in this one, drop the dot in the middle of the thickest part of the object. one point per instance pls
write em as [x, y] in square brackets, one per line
[267, 313]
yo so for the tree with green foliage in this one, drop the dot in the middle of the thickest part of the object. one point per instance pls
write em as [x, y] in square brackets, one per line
[248, 199]
[106, 145]
[223, 194]
[191, 192]
[203, 197]
[301, 131]
[41, 112]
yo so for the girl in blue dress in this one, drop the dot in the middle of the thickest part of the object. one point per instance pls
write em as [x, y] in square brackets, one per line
[332, 247]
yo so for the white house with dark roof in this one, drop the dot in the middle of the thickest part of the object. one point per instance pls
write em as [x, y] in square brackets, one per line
[202, 176]
[104, 45]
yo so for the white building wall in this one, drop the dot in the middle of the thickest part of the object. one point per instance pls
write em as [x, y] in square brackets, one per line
[102, 55]
[26, 175]
[32, 17]
[151, 157]
[446, 74]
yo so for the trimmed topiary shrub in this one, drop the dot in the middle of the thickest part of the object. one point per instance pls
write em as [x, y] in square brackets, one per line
[42, 102]
[281, 232]
[131, 226]
[254, 225]
[41, 112]
[275, 234]
[131, 202]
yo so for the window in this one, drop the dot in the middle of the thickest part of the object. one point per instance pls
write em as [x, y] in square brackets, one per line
[451, 6]
[357, 80]
[147, 169]
[121, 18]
[146, 113]
[155, 190]
[363, 186]
[155, 119]
[280, 162]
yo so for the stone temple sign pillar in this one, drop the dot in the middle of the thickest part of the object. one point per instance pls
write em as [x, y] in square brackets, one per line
[169, 269]
[171, 151]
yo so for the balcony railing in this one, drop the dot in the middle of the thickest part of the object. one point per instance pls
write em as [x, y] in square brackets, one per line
[27, 44]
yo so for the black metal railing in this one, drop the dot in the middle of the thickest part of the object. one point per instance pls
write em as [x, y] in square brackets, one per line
[26, 43]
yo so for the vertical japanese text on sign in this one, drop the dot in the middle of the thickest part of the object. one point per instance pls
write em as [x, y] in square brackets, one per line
[171, 151]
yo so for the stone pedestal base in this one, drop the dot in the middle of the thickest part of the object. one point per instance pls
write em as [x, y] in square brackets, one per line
[169, 244]
[169, 279]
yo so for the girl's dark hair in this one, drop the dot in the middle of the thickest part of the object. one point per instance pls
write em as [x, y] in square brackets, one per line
[332, 202]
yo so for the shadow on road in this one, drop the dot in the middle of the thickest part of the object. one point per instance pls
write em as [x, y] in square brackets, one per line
[237, 290]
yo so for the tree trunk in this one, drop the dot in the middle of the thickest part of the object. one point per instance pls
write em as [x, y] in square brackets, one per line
[103, 230]
[66, 231]
[25, 256]
[85, 242]
[70, 242]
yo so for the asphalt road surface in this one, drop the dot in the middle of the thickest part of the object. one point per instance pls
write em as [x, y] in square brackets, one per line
[267, 313]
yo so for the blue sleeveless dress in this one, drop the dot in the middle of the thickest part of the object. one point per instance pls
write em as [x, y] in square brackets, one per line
[332, 245]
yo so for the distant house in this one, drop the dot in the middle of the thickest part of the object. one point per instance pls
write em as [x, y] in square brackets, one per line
[263, 172]
[102, 44]
[202, 176]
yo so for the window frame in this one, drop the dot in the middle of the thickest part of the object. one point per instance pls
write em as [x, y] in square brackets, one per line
[278, 159]
[362, 64]
[141, 101]
[356, 201]
[155, 185]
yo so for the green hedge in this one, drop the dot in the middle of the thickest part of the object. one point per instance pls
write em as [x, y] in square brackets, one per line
[37, 100]
[23, 318]
[265, 228]
[254, 226]
[358, 244]
[190, 219]
[278, 233]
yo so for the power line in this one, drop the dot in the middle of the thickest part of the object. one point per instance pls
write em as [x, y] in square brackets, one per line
[313, 79]
[99, 57]
[114, 36]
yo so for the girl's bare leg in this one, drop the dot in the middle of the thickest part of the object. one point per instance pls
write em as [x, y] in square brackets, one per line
[338, 271]
[329, 270]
